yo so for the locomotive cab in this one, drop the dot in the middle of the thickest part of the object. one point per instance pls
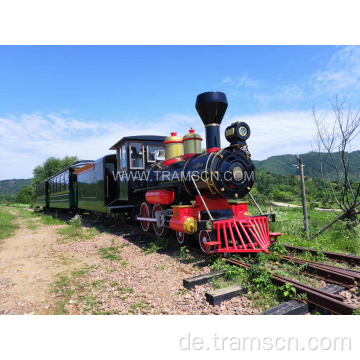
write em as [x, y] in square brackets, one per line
[134, 154]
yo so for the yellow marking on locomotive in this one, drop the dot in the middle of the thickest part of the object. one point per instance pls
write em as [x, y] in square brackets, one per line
[230, 132]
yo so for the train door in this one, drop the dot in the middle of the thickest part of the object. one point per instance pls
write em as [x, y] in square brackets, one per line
[110, 181]
[122, 173]
[73, 188]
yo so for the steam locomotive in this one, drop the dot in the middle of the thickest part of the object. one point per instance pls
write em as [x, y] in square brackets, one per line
[169, 183]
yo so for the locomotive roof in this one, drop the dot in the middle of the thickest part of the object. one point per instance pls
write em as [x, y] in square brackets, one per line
[139, 137]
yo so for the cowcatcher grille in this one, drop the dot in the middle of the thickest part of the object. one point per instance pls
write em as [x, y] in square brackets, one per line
[245, 235]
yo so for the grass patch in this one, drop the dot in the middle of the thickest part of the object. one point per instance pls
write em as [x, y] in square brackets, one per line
[8, 224]
[66, 286]
[111, 253]
[262, 293]
[75, 231]
[28, 215]
[289, 221]
[159, 244]
[139, 306]
[99, 284]
[126, 290]
[63, 288]
[52, 220]
[32, 226]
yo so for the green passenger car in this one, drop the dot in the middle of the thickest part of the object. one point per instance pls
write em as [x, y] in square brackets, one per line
[63, 187]
[42, 194]
[97, 184]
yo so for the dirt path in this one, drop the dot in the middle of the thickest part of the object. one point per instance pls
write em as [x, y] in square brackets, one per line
[41, 272]
[285, 204]
[296, 206]
[27, 269]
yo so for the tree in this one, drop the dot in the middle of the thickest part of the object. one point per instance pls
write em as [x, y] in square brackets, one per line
[50, 167]
[334, 139]
[26, 195]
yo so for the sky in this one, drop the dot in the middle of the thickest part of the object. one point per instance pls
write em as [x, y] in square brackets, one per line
[80, 100]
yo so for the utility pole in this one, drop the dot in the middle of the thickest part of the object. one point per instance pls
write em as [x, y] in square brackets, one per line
[306, 222]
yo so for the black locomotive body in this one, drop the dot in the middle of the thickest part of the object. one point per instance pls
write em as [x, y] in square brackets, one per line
[172, 183]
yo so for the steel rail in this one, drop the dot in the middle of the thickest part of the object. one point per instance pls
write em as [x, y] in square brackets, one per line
[338, 276]
[332, 255]
[321, 298]
[348, 272]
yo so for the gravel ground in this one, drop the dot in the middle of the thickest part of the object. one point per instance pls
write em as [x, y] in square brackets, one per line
[352, 296]
[129, 281]
[146, 284]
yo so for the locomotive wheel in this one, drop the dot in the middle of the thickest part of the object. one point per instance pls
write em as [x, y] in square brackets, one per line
[159, 231]
[145, 211]
[181, 237]
[204, 237]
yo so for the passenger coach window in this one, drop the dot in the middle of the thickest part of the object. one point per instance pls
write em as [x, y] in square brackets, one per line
[136, 156]
[155, 153]
[67, 182]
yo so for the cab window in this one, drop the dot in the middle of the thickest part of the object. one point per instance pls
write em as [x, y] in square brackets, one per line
[121, 155]
[155, 153]
[136, 155]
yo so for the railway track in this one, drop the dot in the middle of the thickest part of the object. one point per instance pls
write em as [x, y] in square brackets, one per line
[350, 259]
[318, 297]
[340, 276]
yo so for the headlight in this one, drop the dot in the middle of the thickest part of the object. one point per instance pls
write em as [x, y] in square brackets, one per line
[237, 173]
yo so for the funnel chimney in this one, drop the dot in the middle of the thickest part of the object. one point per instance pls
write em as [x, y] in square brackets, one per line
[211, 107]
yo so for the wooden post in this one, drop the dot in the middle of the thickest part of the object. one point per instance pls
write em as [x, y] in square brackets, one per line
[306, 221]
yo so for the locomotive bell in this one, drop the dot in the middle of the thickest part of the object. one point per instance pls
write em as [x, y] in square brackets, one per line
[211, 106]
[174, 146]
[192, 143]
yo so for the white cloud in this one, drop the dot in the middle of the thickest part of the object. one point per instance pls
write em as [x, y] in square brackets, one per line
[242, 82]
[340, 75]
[278, 133]
[341, 72]
[226, 80]
[29, 139]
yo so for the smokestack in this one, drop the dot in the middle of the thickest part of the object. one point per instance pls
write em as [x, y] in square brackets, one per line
[211, 107]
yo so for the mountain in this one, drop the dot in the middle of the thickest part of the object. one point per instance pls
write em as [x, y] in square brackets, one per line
[284, 165]
[10, 188]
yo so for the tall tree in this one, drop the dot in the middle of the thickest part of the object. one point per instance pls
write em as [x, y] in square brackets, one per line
[50, 167]
[334, 140]
[26, 195]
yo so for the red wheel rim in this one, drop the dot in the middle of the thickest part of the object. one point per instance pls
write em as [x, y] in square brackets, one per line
[204, 237]
[180, 236]
[145, 212]
[158, 230]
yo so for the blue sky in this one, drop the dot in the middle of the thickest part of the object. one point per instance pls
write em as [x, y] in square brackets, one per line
[79, 100]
